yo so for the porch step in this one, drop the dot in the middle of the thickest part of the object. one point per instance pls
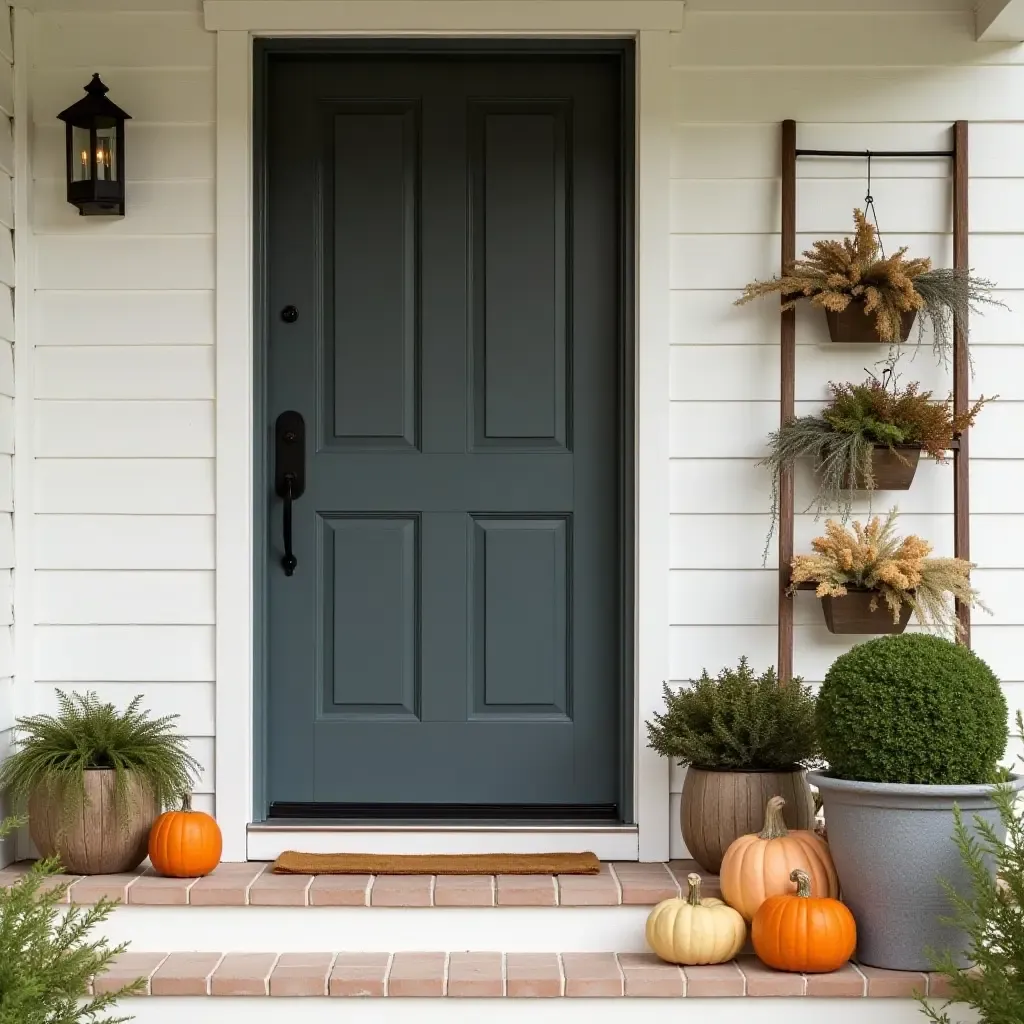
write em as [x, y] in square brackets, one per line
[492, 975]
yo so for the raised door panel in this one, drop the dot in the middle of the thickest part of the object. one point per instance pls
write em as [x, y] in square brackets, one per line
[520, 598]
[370, 643]
[519, 184]
[370, 350]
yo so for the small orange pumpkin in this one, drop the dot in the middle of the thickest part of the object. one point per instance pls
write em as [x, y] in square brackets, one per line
[759, 865]
[185, 843]
[803, 933]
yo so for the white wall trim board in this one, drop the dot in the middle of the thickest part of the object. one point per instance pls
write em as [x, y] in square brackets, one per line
[1000, 21]
[236, 22]
[402, 17]
[234, 424]
[24, 285]
[801, 1010]
[267, 841]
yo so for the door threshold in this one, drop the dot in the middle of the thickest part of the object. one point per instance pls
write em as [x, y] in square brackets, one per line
[266, 840]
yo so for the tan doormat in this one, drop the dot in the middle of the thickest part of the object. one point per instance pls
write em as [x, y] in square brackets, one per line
[292, 863]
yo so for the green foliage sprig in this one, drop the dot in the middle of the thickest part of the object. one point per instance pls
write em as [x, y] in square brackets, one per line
[912, 708]
[992, 916]
[47, 957]
[737, 721]
[833, 275]
[57, 750]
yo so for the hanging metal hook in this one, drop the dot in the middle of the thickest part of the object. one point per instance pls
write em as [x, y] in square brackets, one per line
[869, 205]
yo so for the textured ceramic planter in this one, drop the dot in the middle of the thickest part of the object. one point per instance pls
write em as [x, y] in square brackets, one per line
[892, 469]
[101, 837]
[854, 327]
[853, 615]
[718, 807]
[891, 844]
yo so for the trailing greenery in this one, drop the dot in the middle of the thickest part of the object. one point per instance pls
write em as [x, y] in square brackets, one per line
[991, 914]
[47, 957]
[899, 571]
[737, 721]
[912, 708]
[835, 274]
[860, 417]
[57, 750]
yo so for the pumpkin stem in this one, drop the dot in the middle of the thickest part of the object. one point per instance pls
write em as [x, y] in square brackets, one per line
[774, 823]
[186, 802]
[693, 897]
[803, 883]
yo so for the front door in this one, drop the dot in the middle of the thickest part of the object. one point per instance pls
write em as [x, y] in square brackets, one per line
[444, 312]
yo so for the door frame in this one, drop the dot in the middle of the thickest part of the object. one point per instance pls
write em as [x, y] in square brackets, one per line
[490, 23]
[619, 51]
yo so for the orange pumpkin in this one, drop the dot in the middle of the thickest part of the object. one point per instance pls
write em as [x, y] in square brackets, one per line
[760, 865]
[802, 932]
[185, 843]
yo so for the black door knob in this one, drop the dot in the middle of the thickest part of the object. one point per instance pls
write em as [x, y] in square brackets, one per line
[289, 314]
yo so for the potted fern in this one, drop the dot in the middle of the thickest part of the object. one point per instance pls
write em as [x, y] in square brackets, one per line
[869, 436]
[96, 779]
[870, 580]
[743, 739]
[868, 297]
[48, 954]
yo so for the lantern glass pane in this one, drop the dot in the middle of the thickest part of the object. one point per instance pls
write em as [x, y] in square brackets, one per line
[106, 154]
[80, 169]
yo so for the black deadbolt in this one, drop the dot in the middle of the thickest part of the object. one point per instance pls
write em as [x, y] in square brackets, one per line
[289, 314]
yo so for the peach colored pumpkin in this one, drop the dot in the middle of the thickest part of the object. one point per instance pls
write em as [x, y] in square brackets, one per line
[759, 865]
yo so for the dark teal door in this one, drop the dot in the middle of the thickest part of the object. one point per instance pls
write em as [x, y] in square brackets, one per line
[448, 230]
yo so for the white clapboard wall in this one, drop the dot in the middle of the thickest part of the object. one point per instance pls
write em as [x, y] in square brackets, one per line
[124, 332]
[123, 389]
[853, 80]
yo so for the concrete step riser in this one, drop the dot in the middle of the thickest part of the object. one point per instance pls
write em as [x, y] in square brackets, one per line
[353, 929]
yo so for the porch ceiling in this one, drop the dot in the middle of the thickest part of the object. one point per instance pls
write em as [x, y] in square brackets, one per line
[1000, 21]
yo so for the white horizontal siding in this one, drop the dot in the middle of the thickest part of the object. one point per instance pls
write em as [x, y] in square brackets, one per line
[143, 372]
[147, 541]
[124, 429]
[106, 318]
[123, 417]
[124, 653]
[113, 598]
[892, 78]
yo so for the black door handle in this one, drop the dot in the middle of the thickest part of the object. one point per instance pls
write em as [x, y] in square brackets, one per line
[289, 475]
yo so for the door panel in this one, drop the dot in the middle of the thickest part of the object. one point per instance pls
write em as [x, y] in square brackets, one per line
[449, 230]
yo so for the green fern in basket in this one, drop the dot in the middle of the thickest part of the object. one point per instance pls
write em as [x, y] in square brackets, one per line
[57, 750]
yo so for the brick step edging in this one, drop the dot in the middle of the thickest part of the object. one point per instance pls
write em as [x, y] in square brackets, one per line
[490, 974]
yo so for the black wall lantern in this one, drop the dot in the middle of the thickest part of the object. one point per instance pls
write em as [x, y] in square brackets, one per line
[95, 152]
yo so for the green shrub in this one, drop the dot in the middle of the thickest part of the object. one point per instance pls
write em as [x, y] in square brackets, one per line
[48, 954]
[913, 708]
[992, 916]
[737, 721]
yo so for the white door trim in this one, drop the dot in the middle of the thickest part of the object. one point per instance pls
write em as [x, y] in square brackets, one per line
[650, 23]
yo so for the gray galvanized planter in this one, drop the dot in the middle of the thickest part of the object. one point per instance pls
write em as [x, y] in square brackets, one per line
[891, 844]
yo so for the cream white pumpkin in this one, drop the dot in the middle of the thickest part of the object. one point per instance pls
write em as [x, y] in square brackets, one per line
[694, 930]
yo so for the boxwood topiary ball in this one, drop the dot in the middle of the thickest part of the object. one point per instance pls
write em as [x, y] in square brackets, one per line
[912, 708]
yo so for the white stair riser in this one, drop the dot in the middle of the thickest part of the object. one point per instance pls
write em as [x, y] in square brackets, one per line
[266, 1010]
[393, 930]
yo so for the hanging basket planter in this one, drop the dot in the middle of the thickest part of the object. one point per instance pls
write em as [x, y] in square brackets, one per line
[892, 469]
[855, 327]
[853, 614]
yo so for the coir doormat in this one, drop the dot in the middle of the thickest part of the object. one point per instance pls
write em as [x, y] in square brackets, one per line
[293, 863]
